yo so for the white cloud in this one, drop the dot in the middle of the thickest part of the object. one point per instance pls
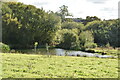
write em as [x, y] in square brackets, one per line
[105, 9]
[97, 1]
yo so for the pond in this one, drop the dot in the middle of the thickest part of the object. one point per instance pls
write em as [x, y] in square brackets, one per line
[62, 52]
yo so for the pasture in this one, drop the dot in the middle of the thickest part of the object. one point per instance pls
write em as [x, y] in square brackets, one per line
[42, 66]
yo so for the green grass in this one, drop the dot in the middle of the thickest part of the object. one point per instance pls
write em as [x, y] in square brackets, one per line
[42, 66]
[109, 51]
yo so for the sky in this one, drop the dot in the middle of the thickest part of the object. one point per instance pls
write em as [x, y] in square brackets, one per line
[104, 9]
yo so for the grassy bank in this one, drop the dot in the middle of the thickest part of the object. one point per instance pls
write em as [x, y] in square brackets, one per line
[106, 51]
[42, 66]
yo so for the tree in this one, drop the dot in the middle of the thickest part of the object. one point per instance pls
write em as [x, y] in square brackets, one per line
[90, 19]
[26, 24]
[114, 36]
[8, 0]
[47, 32]
[105, 32]
[79, 27]
[10, 30]
[87, 40]
[100, 34]
[72, 25]
[63, 12]
[69, 40]
[5, 9]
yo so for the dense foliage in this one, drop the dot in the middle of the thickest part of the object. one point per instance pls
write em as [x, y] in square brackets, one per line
[25, 24]
[87, 40]
[105, 32]
[68, 39]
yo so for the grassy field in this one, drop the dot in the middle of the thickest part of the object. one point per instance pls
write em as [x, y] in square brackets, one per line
[42, 66]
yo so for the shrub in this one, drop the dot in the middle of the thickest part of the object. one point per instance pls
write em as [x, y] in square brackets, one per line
[87, 40]
[69, 40]
[4, 48]
[90, 45]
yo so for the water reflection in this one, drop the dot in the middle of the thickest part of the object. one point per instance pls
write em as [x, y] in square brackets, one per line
[62, 52]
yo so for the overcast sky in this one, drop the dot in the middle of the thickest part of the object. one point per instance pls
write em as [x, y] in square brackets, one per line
[104, 9]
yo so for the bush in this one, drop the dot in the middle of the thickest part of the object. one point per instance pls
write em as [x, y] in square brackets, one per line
[4, 48]
[69, 40]
[90, 45]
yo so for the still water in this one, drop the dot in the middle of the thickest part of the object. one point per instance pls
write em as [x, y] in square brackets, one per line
[62, 52]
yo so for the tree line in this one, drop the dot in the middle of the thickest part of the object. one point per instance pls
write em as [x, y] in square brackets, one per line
[23, 25]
